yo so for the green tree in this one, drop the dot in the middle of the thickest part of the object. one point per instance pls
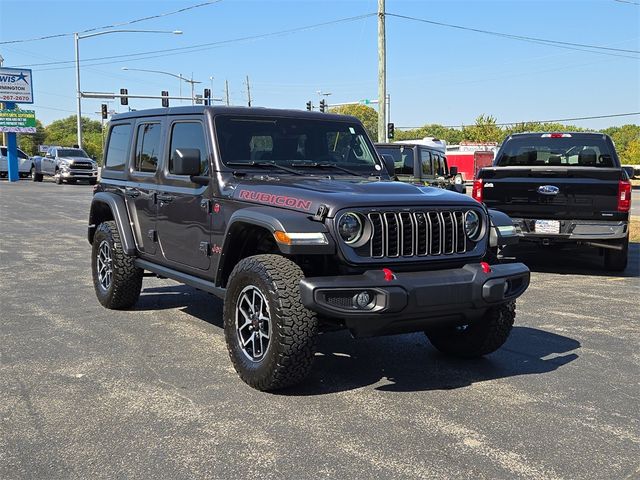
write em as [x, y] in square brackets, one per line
[28, 142]
[367, 115]
[451, 135]
[485, 130]
[63, 132]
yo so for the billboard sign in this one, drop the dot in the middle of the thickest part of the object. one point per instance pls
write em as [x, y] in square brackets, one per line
[16, 85]
[17, 121]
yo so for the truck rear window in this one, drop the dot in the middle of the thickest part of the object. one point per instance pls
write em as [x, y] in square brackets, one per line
[547, 151]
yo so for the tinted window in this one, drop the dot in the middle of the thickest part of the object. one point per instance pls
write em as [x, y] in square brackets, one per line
[402, 158]
[118, 148]
[574, 151]
[288, 141]
[3, 152]
[189, 135]
[438, 164]
[425, 160]
[147, 147]
[72, 152]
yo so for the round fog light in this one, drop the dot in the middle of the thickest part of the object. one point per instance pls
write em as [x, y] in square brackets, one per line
[363, 300]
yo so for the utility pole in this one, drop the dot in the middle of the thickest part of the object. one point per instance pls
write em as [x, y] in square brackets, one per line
[226, 91]
[382, 73]
[76, 41]
[248, 92]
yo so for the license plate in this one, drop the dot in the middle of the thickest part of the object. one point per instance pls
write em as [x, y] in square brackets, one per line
[547, 226]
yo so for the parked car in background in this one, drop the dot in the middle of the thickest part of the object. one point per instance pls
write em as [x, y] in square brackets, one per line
[66, 164]
[562, 188]
[631, 170]
[419, 164]
[25, 164]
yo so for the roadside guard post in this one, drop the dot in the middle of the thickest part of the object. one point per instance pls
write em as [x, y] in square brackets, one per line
[15, 87]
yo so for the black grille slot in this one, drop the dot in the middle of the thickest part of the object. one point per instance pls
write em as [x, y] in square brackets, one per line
[449, 237]
[422, 231]
[406, 222]
[339, 300]
[377, 235]
[461, 239]
[436, 227]
[393, 234]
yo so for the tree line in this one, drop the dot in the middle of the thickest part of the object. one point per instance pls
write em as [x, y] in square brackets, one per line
[485, 129]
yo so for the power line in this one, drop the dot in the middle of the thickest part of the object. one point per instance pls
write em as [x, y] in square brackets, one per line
[537, 121]
[514, 37]
[130, 22]
[627, 1]
[193, 48]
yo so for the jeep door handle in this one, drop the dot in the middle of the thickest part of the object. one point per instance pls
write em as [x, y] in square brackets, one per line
[164, 198]
[131, 193]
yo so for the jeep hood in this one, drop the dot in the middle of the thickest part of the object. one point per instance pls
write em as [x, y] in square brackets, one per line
[307, 194]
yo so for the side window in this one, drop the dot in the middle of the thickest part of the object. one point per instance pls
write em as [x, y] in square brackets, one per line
[118, 147]
[405, 165]
[147, 147]
[425, 161]
[189, 135]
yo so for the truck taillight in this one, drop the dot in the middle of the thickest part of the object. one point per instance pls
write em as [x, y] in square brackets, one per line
[624, 196]
[477, 193]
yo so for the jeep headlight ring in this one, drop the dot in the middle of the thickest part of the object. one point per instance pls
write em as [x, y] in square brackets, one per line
[350, 228]
[472, 225]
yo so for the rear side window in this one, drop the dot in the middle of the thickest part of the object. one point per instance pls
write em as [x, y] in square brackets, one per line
[402, 159]
[425, 160]
[189, 135]
[550, 151]
[118, 147]
[147, 147]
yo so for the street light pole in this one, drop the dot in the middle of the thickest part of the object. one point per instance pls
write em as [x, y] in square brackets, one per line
[76, 40]
[179, 76]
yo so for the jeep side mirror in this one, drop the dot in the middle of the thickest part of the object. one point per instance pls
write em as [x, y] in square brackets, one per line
[186, 161]
[453, 171]
[390, 165]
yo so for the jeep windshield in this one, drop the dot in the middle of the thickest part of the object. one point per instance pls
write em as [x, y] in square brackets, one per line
[72, 152]
[296, 143]
[556, 150]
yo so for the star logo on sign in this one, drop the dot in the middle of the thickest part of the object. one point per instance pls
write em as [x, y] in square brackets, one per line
[23, 78]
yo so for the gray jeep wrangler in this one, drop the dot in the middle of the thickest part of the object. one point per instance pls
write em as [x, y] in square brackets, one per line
[292, 219]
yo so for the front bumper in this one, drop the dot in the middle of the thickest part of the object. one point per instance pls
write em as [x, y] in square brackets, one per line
[575, 230]
[412, 301]
[80, 174]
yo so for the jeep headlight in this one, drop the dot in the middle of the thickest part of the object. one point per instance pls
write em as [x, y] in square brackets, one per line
[350, 227]
[472, 225]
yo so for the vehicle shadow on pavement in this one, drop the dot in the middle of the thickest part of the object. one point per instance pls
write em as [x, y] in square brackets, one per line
[408, 363]
[571, 260]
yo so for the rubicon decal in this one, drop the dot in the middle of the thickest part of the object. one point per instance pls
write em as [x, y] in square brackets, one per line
[279, 200]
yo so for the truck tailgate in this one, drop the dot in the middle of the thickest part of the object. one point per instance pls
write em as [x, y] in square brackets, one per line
[574, 193]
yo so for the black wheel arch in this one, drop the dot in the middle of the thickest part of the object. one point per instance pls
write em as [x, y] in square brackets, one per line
[107, 206]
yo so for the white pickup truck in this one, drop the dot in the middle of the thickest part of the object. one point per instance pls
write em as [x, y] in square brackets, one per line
[25, 164]
[66, 165]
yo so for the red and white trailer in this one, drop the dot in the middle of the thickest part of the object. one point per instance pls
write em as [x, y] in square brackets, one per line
[470, 157]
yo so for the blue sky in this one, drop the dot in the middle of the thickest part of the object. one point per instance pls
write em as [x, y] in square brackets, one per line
[435, 74]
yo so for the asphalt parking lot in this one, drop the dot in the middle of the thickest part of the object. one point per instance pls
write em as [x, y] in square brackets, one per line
[150, 393]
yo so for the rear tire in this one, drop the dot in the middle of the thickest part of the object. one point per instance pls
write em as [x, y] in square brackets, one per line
[116, 279]
[58, 178]
[479, 338]
[616, 260]
[263, 304]
[35, 177]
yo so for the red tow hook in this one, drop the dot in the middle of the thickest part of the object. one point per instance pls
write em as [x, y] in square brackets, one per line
[486, 268]
[388, 275]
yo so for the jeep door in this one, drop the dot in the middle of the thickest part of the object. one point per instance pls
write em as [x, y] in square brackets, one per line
[184, 219]
[140, 192]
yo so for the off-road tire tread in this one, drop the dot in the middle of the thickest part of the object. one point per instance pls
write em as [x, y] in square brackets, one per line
[484, 336]
[293, 325]
[127, 278]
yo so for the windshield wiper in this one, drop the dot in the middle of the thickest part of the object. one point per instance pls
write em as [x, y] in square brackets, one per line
[263, 165]
[327, 165]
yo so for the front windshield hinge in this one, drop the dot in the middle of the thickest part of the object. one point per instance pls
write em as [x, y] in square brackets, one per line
[321, 214]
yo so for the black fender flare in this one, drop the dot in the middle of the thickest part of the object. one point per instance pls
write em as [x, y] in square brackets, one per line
[503, 231]
[120, 215]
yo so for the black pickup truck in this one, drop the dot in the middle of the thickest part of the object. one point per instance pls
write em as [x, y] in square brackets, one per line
[562, 188]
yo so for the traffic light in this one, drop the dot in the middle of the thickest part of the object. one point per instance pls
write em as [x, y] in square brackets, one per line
[104, 111]
[390, 128]
[309, 105]
[323, 105]
[124, 100]
[165, 101]
[207, 96]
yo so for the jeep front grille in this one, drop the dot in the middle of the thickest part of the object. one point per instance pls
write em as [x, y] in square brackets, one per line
[417, 233]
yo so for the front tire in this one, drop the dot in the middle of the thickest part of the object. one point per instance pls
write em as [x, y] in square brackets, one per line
[616, 260]
[270, 335]
[116, 279]
[58, 178]
[478, 338]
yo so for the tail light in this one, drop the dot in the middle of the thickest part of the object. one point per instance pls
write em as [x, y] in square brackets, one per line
[477, 192]
[624, 196]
